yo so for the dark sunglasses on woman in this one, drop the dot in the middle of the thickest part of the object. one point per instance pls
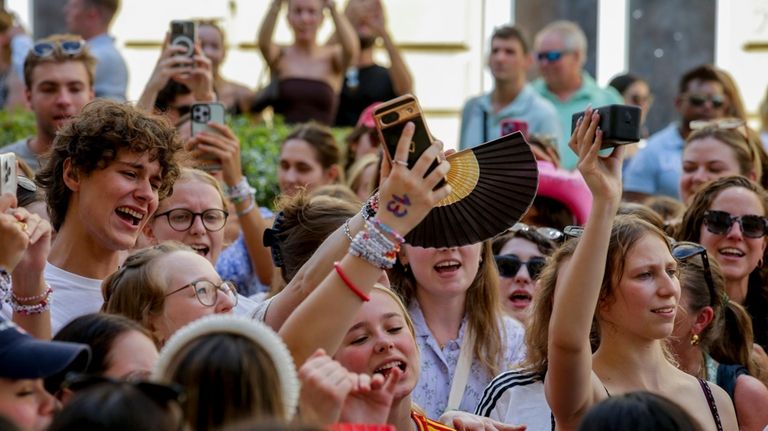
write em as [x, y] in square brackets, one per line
[720, 222]
[509, 265]
[683, 251]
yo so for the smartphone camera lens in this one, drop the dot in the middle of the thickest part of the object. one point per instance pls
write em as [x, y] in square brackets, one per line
[390, 117]
[201, 114]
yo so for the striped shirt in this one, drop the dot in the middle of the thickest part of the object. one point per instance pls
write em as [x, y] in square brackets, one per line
[517, 397]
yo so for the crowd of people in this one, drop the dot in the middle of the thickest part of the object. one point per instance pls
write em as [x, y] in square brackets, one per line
[139, 274]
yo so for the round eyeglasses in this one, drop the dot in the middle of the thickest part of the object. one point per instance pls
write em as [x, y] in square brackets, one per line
[207, 292]
[181, 219]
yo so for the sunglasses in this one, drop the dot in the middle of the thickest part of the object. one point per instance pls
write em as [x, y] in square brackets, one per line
[683, 251]
[162, 394]
[735, 124]
[720, 222]
[550, 56]
[66, 47]
[640, 99]
[699, 100]
[548, 233]
[509, 265]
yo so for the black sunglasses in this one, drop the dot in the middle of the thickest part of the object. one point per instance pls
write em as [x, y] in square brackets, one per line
[699, 100]
[682, 251]
[509, 265]
[720, 222]
[162, 394]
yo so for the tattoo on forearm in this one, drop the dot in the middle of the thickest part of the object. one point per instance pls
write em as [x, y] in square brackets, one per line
[398, 205]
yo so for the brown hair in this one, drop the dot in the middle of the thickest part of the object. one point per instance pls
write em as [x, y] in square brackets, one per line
[355, 172]
[731, 90]
[321, 139]
[137, 289]
[227, 378]
[544, 245]
[511, 32]
[307, 220]
[641, 211]
[92, 140]
[728, 337]
[84, 56]
[99, 331]
[483, 308]
[704, 73]
[690, 228]
[746, 154]
[537, 332]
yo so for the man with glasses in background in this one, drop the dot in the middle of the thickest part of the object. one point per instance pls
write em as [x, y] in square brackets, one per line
[561, 51]
[656, 169]
[511, 100]
[58, 77]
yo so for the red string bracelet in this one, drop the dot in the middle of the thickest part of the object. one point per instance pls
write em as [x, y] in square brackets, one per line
[360, 294]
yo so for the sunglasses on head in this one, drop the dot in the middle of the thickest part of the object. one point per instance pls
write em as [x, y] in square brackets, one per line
[550, 56]
[720, 222]
[548, 233]
[699, 100]
[509, 265]
[683, 251]
[66, 47]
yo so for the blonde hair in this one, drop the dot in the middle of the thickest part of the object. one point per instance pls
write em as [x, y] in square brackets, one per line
[189, 175]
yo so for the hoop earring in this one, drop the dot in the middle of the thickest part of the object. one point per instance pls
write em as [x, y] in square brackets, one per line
[695, 340]
[760, 263]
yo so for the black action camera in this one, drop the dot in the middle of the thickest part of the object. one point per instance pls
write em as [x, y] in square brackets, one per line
[620, 124]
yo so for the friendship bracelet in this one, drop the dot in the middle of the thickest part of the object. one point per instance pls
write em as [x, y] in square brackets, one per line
[26, 310]
[347, 231]
[5, 286]
[240, 191]
[388, 230]
[360, 294]
[249, 208]
[41, 296]
[370, 207]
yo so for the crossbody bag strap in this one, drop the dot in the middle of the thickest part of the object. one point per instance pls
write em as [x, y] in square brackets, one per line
[461, 374]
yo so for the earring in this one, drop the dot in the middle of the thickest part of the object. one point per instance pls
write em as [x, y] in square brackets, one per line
[760, 263]
[405, 268]
[695, 340]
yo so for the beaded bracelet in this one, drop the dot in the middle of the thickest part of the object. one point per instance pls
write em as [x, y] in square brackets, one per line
[347, 230]
[39, 297]
[249, 208]
[388, 230]
[372, 245]
[26, 310]
[240, 191]
[370, 207]
[5, 286]
[360, 294]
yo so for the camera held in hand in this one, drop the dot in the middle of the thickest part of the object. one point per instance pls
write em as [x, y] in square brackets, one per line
[620, 124]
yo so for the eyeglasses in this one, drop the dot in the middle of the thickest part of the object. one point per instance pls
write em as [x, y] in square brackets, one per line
[548, 233]
[162, 394]
[699, 100]
[684, 250]
[66, 47]
[720, 222]
[181, 219]
[550, 56]
[207, 293]
[509, 265]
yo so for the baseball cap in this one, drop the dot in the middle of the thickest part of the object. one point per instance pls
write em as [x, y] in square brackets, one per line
[25, 357]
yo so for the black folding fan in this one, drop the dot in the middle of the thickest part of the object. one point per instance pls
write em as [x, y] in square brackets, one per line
[493, 185]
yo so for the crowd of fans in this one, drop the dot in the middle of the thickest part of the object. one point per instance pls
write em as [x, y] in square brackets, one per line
[142, 286]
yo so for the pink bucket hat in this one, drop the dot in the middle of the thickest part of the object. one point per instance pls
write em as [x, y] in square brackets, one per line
[366, 117]
[567, 187]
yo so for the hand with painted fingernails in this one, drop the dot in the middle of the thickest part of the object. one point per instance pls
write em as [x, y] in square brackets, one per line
[406, 195]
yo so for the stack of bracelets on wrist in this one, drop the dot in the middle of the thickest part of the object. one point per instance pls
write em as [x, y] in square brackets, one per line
[370, 207]
[5, 286]
[26, 310]
[377, 244]
[241, 191]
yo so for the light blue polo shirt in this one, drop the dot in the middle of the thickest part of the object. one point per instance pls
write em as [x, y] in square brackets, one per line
[528, 106]
[589, 94]
[656, 169]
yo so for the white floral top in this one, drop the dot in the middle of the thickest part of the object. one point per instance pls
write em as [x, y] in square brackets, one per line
[438, 365]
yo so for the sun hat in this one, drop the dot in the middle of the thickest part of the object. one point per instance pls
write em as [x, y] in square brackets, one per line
[24, 357]
[567, 187]
[253, 330]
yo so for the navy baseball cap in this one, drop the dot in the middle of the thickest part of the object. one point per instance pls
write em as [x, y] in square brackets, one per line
[25, 357]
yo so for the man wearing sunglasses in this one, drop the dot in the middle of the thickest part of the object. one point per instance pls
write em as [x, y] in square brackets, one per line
[512, 98]
[91, 20]
[656, 169]
[561, 51]
[58, 75]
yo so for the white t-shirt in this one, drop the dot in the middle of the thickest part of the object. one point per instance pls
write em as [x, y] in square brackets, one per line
[73, 295]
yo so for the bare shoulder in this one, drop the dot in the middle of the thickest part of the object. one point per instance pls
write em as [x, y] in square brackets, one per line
[724, 407]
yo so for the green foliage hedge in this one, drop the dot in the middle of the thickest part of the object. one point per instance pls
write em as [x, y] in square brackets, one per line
[260, 146]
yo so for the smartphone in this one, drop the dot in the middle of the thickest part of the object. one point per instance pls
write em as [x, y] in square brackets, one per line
[511, 125]
[620, 124]
[391, 118]
[184, 34]
[200, 114]
[8, 173]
